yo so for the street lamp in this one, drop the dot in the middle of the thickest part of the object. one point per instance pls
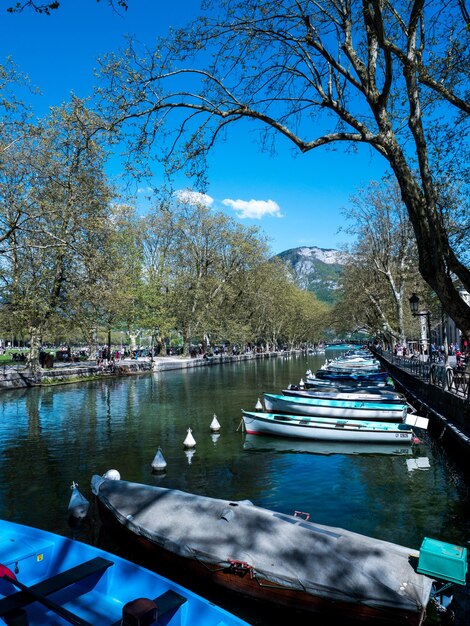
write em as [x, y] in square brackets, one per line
[414, 306]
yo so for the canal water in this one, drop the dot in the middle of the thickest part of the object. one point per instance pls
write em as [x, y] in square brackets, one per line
[50, 437]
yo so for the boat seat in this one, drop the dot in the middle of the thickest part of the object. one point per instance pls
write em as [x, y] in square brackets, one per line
[46, 587]
[167, 605]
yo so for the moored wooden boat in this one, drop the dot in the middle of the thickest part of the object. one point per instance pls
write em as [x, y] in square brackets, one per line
[326, 429]
[49, 579]
[387, 397]
[311, 382]
[338, 408]
[282, 559]
[352, 375]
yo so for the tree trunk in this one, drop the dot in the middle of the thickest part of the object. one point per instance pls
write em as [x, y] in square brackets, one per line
[32, 360]
[437, 262]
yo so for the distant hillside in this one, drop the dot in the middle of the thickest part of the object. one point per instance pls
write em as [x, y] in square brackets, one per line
[316, 270]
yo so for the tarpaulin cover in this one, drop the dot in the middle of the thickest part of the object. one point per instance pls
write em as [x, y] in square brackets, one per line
[324, 561]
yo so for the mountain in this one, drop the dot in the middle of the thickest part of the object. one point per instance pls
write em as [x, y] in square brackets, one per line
[316, 269]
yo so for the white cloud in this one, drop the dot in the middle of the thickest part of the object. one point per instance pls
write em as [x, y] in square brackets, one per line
[145, 190]
[194, 197]
[254, 209]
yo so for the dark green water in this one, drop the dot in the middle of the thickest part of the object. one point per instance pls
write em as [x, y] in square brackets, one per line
[51, 437]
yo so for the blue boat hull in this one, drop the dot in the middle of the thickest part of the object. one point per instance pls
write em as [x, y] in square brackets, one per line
[362, 376]
[66, 581]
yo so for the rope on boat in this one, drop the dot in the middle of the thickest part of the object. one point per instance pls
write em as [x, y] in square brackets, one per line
[241, 426]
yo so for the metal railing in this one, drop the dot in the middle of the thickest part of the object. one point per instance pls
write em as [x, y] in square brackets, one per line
[452, 379]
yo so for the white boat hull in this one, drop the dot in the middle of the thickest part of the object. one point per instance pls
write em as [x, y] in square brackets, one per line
[319, 429]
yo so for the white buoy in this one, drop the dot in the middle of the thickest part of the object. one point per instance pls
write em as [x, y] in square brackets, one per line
[78, 505]
[215, 437]
[259, 406]
[309, 372]
[159, 464]
[189, 454]
[215, 426]
[301, 384]
[112, 474]
[189, 442]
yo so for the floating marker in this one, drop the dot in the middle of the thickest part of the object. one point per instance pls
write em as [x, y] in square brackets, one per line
[259, 406]
[78, 505]
[301, 384]
[189, 442]
[112, 474]
[215, 426]
[159, 464]
[308, 372]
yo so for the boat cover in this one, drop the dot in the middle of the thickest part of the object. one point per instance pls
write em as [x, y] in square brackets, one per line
[324, 561]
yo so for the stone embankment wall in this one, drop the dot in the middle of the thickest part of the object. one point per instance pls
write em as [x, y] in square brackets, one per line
[12, 378]
[449, 414]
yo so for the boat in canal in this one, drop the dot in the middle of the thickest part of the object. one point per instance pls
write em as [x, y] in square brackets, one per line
[387, 397]
[336, 408]
[376, 386]
[326, 429]
[329, 374]
[285, 560]
[49, 579]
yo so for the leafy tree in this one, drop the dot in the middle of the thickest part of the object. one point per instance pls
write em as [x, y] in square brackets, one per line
[389, 75]
[56, 196]
[198, 258]
[383, 260]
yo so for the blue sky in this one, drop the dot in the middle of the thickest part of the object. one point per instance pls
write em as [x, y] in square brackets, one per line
[297, 200]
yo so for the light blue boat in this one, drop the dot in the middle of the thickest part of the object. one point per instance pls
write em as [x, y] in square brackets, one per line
[49, 579]
[328, 407]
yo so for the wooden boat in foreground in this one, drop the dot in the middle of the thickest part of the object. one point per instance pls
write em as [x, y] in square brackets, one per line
[335, 408]
[323, 428]
[50, 579]
[283, 559]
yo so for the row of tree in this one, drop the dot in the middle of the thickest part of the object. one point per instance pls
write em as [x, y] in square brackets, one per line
[75, 259]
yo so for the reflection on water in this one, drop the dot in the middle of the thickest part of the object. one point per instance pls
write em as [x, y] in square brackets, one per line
[262, 443]
[52, 437]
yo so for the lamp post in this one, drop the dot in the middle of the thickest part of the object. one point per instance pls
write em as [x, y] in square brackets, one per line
[414, 306]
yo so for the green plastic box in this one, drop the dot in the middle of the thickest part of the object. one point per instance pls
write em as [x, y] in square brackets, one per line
[444, 561]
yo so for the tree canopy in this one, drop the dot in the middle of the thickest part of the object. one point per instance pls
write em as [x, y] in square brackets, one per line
[390, 75]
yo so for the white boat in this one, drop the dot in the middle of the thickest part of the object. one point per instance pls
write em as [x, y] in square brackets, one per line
[326, 429]
[344, 409]
[391, 397]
